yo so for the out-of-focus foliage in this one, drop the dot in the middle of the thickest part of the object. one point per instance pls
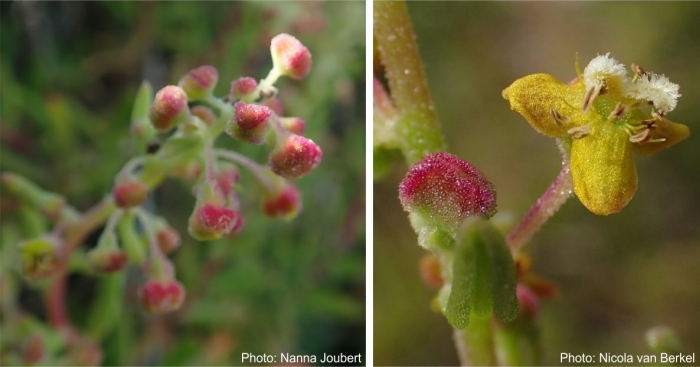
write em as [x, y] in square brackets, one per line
[618, 275]
[69, 74]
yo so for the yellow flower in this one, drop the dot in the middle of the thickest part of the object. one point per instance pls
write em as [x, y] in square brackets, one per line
[606, 116]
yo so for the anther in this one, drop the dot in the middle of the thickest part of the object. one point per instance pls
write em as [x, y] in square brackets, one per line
[558, 118]
[639, 72]
[580, 132]
[640, 137]
[618, 112]
[590, 97]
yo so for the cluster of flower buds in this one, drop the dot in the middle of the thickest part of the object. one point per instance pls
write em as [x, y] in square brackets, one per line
[189, 119]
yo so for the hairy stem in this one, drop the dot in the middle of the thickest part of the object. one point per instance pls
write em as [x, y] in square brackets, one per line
[417, 128]
[549, 203]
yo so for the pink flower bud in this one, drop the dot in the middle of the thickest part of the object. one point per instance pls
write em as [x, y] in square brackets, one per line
[169, 108]
[209, 222]
[161, 296]
[168, 240]
[227, 178]
[205, 114]
[107, 260]
[242, 87]
[295, 156]
[249, 122]
[293, 124]
[285, 203]
[200, 82]
[275, 104]
[290, 56]
[446, 190]
[33, 349]
[130, 194]
[528, 300]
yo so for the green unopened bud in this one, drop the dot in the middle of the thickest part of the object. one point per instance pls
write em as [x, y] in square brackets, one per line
[38, 256]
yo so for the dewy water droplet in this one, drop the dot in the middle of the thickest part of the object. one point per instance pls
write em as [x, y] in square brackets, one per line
[406, 71]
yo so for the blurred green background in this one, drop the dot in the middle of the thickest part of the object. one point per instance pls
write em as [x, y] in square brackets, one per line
[69, 72]
[618, 275]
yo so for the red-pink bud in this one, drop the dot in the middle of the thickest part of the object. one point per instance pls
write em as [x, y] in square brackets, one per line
[528, 300]
[169, 108]
[249, 122]
[107, 260]
[168, 240]
[205, 114]
[446, 190]
[33, 349]
[130, 194]
[227, 178]
[290, 56]
[295, 156]
[293, 124]
[161, 296]
[275, 104]
[200, 82]
[242, 87]
[285, 203]
[209, 222]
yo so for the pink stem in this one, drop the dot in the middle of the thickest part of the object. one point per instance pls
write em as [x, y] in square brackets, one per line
[556, 195]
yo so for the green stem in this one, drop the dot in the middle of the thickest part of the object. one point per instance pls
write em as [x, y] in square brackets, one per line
[418, 129]
[475, 343]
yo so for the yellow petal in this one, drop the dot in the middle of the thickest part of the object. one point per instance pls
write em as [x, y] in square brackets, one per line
[534, 97]
[664, 129]
[602, 166]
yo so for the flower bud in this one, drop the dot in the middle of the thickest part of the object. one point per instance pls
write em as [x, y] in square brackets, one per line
[290, 56]
[275, 104]
[107, 260]
[528, 300]
[130, 194]
[285, 203]
[169, 108]
[431, 271]
[168, 240]
[205, 114]
[295, 156]
[161, 296]
[293, 124]
[209, 222]
[200, 82]
[444, 190]
[33, 349]
[38, 256]
[227, 178]
[242, 87]
[249, 122]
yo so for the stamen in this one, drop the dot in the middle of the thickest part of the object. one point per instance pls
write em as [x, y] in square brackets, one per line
[640, 137]
[618, 112]
[558, 118]
[639, 72]
[580, 132]
[591, 95]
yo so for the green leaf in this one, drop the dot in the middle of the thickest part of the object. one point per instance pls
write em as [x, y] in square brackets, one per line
[505, 302]
[483, 279]
[459, 303]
